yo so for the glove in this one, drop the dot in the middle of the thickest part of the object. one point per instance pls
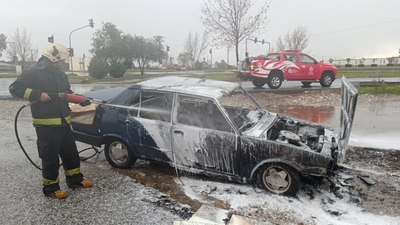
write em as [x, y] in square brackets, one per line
[85, 103]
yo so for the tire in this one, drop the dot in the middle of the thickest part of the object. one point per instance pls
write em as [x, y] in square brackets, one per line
[119, 154]
[326, 79]
[306, 84]
[279, 178]
[274, 81]
[259, 82]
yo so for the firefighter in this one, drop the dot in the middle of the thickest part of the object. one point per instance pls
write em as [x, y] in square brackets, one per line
[44, 85]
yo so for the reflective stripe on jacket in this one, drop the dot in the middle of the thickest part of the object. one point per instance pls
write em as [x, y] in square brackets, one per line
[44, 77]
[51, 121]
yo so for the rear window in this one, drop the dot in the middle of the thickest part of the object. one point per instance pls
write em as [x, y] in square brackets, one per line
[273, 56]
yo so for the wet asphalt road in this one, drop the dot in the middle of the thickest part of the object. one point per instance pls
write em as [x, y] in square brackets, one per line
[114, 199]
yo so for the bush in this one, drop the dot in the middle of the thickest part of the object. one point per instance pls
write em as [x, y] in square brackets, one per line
[361, 65]
[98, 68]
[374, 65]
[348, 65]
[198, 66]
[390, 64]
[117, 70]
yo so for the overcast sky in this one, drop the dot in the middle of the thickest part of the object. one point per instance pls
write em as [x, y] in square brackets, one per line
[338, 29]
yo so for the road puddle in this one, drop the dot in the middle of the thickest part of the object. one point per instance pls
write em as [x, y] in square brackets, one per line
[161, 177]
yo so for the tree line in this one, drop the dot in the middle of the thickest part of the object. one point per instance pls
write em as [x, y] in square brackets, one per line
[227, 24]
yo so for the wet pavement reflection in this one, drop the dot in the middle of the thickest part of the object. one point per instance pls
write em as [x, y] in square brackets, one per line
[162, 177]
[316, 114]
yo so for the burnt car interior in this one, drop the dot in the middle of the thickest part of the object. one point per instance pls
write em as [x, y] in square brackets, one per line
[201, 112]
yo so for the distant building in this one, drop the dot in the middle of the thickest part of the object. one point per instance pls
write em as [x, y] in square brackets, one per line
[80, 63]
[6, 67]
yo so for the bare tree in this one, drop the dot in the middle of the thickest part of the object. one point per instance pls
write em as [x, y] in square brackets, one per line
[21, 48]
[296, 40]
[3, 43]
[230, 21]
[195, 46]
[185, 59]
[280, 45]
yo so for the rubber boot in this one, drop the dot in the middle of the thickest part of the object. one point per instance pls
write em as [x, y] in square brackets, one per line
[59, 194]
[85, 183]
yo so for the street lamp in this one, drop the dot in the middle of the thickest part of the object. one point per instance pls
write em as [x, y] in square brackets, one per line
[71, 51]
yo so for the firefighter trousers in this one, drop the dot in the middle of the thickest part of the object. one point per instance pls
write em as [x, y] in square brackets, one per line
[54, 143]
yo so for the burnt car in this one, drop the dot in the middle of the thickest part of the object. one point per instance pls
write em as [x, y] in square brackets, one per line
[214, 128]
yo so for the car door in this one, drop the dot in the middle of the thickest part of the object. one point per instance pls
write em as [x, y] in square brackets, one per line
[292, 72]
[149, 124]
[202, 137]
[309, 68]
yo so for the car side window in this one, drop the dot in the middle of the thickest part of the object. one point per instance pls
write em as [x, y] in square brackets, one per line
[306, 59]
[133, 105]
[291, 57]
[201, 112]
[151, 105]
[156, 105]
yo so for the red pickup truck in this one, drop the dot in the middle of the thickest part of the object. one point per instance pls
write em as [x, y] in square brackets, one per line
[290, 66]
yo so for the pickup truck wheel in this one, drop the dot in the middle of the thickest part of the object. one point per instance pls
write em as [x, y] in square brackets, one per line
[274, 81]
[279, 178]
[118, 154]
[326, 79]
[259, 82]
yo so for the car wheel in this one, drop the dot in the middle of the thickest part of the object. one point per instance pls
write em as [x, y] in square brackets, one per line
[274, 81]
[326, 79]
[118, 154]
[280, 179]
[259, 82]
[306, 84]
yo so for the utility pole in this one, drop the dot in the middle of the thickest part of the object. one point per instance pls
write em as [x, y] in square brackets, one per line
[211, 58]
[71, 50]
[227, 56]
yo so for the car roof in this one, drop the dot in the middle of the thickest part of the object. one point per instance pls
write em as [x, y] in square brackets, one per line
[187, 85]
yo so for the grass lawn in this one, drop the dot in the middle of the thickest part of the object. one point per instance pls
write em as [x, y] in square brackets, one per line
[7, 74]
[226, 76]
[380, 89]
[371, 73]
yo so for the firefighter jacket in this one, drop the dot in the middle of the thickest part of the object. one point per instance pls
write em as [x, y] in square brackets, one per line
[44, 77]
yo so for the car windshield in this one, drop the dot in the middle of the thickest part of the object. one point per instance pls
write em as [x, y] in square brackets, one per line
[243, 110]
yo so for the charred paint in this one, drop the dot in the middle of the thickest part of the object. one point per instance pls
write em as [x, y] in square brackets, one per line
[196, 132]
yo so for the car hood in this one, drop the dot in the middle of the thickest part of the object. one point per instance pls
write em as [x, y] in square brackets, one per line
[349, 95]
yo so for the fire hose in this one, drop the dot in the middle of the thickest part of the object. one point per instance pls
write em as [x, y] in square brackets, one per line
[73, 98]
